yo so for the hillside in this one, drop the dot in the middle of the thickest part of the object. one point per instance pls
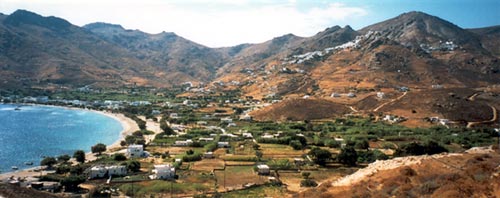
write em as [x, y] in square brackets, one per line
[472, 174]
[172, 56]
[300, 109]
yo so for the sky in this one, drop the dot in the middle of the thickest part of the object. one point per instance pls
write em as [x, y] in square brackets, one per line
[220, 23]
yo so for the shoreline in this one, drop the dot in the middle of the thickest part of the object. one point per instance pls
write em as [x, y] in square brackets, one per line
[128, 127]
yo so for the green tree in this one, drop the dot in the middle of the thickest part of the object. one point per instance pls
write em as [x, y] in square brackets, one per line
[296, 145]
[71, 182]
[362, 144]
[259, 154]
[165, 128]
[48, 161]
[320, 156]
[332, 143]
[348, 156]
[98, 148]
[77, 170]
[119, 157]
[133, 166]
[63, 169]
[256, 146]
[63, 158]
[79, 155]
[306, 175]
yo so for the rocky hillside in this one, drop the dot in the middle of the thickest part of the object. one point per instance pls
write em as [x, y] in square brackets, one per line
[173, 56]
[475, 173]
[414, 50]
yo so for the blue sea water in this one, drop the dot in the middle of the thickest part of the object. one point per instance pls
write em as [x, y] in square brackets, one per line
[35, 131]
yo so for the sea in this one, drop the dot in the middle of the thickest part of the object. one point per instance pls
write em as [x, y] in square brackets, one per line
[29, 132]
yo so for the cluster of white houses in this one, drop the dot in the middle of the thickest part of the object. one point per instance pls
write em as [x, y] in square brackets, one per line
[162, 171]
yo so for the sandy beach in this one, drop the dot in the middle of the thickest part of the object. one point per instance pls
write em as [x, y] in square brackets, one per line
[129, 126]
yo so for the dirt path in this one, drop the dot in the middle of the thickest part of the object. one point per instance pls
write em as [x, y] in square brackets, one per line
[493, 119]
[473, 97]
[393, 100]
[353, 109]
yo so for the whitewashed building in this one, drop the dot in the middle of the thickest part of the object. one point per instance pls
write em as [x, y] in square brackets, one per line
[263, 169]
[135, 150]
[102, 171]
[163, 171]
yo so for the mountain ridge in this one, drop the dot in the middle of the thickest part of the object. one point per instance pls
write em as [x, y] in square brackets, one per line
[102, 52]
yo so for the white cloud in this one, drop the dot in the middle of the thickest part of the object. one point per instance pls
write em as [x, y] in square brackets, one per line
[209, 22]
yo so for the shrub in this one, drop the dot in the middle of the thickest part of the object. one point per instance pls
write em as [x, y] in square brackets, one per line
[296, 145]
[308, 183]
[332, 143]
[119, 157]
[348, 156]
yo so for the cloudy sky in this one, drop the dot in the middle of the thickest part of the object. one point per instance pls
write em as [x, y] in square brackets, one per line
[218, 23]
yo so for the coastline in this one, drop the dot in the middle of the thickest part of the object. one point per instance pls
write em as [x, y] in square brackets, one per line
[128, 127]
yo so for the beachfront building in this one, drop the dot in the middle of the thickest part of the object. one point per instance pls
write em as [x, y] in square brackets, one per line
[135, 150]
[104, 171]
[163, 171]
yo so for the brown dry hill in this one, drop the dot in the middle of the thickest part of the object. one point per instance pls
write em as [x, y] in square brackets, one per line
[300, 109]
[454, 175]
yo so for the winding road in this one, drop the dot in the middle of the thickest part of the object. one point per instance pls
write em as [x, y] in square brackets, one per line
[393, 100]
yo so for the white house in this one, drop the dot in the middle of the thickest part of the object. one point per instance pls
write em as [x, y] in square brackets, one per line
[183, 142]
[205, 139]
[208, 155]
[163, 171]
[263, 169]
[223, 144]
[380, 94]
[174, 115]
[226, 120]
[135, 150]
[118, 170]
[97, 172]
[247, 135]
[102, 171]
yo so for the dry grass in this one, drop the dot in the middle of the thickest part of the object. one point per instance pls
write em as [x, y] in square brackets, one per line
[273, 151]
[237, 176]
[208, 165]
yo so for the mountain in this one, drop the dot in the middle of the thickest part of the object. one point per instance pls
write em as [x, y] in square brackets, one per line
[40, 50]
[173, 55]
[490, 38]
[414, 49]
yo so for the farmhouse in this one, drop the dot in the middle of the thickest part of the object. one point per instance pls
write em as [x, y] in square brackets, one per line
[208, 155]
[103, 171]
[163, 171]
[247, 135]
[223, 144]
[226, 120]
[203, 139]
[136, 150]
[263, 169]
[183, 142]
